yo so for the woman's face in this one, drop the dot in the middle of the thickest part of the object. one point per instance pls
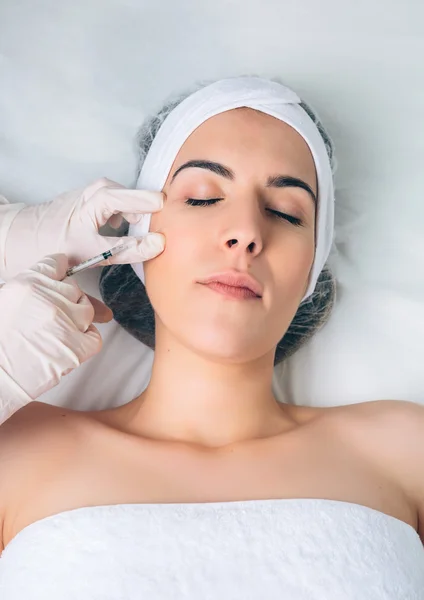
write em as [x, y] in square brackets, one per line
[245, 232]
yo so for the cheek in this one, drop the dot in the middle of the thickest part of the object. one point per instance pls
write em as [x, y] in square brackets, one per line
[292, 265]
[182, 251]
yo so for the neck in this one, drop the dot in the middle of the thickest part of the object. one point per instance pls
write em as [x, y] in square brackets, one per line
[198, 401]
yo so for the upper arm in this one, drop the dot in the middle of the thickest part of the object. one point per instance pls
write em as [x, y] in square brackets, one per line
[32, 441]
[1, 533]
[414, 462]
[12, 433]
[390, 433]
[400, 431]
[412, 440]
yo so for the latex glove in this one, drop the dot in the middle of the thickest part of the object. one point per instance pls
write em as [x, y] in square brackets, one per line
[69, 225]
[46, 331]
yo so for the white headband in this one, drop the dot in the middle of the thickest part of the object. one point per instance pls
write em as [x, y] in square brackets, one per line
[253, 92]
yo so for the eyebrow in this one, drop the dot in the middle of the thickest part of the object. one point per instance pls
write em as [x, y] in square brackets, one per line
[275, 181]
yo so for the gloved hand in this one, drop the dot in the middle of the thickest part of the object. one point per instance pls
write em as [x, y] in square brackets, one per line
[69, 225]
[46, 331]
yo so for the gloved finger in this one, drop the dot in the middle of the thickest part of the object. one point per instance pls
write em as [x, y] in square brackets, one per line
[102, 313]
[89, 310]
[49, 269]
[140, 249]
[53, 266]
[69, 289]
[85, 345]
[97, 184]
[82, 313]
[88, 345]
[92, 343]
[111, 201]
[68, 371]
[115, 221]
[133, 217]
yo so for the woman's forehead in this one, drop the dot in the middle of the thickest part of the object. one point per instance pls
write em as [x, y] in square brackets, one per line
[245, 138]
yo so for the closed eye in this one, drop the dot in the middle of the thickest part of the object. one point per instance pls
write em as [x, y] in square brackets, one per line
[289, 218]
[275, 213]
[201, 202]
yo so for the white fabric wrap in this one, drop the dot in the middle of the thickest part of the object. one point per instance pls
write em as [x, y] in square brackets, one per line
[253, 92]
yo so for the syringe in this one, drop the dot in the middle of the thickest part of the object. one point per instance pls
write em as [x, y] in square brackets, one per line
[98, 259]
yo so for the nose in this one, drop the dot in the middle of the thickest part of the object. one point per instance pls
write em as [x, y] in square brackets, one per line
[244, 235]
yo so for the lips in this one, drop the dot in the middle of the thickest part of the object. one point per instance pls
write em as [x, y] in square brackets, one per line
[235, 284]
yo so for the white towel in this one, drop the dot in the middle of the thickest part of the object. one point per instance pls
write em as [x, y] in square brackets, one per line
[250, 550]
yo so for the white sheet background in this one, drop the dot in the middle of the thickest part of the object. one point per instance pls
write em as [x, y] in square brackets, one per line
[76, 79]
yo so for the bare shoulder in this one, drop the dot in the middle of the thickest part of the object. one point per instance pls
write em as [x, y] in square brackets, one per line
[396, 420]
[382, 416]
[34, 422]
[391, 432]
[39, 428]
[36, 432]
[385, 411]
[34, 441]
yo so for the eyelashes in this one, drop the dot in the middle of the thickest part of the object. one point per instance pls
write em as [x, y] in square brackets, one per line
[195, 202]
[289, 218]
[275, 213]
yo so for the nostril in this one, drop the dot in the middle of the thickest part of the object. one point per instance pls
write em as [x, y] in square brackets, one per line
[251, 247]
[231, 243]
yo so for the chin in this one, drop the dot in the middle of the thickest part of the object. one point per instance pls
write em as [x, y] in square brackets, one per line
[226, 346]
